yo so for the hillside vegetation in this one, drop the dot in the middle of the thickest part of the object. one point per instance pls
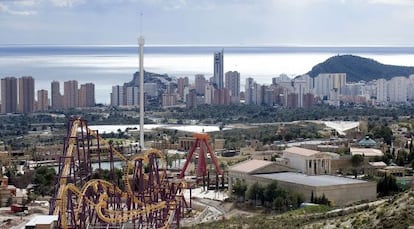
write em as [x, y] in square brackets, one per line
[397, 212]
[358, 68]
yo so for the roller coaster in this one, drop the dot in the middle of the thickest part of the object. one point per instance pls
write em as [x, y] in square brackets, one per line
[146, 197]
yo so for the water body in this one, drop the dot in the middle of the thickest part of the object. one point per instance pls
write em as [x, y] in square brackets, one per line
[106, 66]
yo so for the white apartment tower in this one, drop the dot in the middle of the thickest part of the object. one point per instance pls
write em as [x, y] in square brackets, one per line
[329, 84]
[248, 91]
[233, 84]
[117, 96]
[208, 94]
[381, 87]
[397, 89]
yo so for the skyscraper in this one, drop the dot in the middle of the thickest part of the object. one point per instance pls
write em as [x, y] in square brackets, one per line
[87, 95]
[117, 96]
[9, 95]
[218, 69]
[26, 94]
[249, 91]
[200, 84]
[233, 85]
[132, 96]
[70, 94]
[42, 100]
[182, 82]
[56, 97]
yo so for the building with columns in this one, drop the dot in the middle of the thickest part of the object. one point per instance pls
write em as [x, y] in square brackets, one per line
[310, 162]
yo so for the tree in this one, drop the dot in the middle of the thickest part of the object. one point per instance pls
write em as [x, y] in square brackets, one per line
[383, 132]
[270, 191]
[44, 179]
[387, 185]
[321, 200]
[255, 193]
[356, 161]
[402, 156]
[239, 189]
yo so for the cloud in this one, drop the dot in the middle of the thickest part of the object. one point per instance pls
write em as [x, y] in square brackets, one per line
[6, 9]
[393, 2]
[66, 3]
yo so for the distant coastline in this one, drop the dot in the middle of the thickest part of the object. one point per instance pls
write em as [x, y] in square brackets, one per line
[192, 49]
[109, 65]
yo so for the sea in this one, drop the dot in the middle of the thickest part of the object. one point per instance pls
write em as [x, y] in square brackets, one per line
[109, 65]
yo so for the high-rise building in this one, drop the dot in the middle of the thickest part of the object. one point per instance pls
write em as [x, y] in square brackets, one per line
[181, 84]
[151, 89]
[280, 78]
[397, 89]
[56, 96]
[42, 100]
[26, 94]
[117, 96]
[200, 84]
[169, 100]
[87, 95]
[170, 88]
[70, 94]
[221, 97]
[329, 84]
[248, 91]
[233, 85]
[218, 69]
[191, 99]
[208, 94]
[381, 90]
[9, 95]
[308, 100]
[132, 96]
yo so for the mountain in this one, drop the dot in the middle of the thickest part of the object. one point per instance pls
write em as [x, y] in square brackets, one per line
[358, 68]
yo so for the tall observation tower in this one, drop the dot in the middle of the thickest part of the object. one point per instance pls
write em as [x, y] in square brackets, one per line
[141, 42]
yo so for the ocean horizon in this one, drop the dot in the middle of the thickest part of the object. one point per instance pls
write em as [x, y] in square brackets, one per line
[109, 65]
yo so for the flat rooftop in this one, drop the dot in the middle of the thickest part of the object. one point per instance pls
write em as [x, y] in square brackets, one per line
[42, 219]
[250, 165]
[316, 181]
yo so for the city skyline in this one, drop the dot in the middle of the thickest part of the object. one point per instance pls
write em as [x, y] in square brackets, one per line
[262, 22]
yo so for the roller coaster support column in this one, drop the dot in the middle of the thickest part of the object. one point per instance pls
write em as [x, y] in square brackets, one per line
[201, 142]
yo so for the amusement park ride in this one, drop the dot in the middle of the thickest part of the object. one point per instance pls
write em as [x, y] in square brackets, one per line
[147, 197]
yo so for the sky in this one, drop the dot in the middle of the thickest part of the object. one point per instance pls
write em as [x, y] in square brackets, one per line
[208, 22]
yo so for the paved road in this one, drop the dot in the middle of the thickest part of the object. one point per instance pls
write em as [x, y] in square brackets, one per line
[213, 212]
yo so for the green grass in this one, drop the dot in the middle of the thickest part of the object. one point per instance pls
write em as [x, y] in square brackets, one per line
[310, 209]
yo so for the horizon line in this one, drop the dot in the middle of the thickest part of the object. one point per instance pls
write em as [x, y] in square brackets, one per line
[216, 45]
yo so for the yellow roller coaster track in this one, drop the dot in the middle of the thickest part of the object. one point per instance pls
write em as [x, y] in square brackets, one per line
[110, 216]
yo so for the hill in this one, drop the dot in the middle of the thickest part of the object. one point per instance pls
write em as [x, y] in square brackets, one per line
[396, 212]
[358, 68]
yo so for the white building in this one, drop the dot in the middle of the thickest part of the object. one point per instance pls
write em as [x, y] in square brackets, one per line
[117, 96]
[232, 83]
[208, 94]
[248, 91]
[397, 89]
[308, 80]
[310, 162]
[382, 93]
[411, 85]
[327, 83]
[132, 95]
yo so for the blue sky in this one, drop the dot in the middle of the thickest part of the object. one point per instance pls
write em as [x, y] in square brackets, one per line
[230, 22]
